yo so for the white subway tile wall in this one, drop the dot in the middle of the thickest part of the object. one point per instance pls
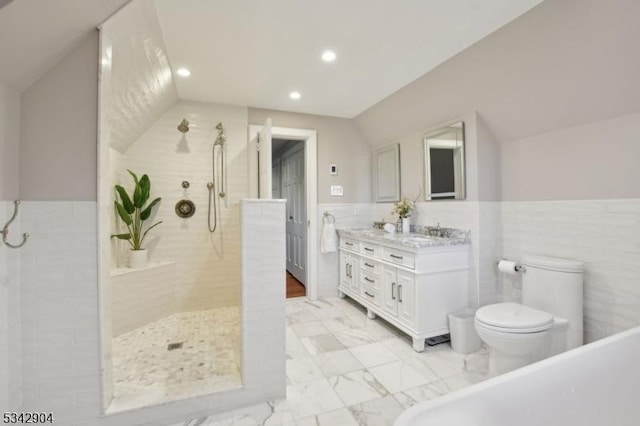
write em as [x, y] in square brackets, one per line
[60, 336]
[604, 234]
[207, 264]
[490, 251]
[142, 296]
[263, 297]
[142, 84]
[59, 300]
[10, 362]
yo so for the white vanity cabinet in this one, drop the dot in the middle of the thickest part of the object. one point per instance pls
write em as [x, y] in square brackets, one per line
[413, 282]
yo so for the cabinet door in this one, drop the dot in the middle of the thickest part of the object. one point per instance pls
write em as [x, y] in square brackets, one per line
[354, 273]
[406, 297]
[389, 290]
[345, 273]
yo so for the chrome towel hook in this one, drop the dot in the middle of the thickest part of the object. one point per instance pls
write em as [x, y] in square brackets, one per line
[5, 230]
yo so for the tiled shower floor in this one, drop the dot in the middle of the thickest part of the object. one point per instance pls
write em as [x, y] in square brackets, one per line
[146, 372]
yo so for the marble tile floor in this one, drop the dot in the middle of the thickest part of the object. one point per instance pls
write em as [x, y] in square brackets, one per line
[147, 372]
[343, 369]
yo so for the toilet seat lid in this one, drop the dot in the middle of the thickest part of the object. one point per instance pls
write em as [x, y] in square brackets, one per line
[514, 317]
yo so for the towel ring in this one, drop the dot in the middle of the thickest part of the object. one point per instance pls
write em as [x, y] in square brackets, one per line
[328, 218]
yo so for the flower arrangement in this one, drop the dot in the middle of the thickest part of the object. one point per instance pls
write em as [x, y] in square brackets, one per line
[403, 208]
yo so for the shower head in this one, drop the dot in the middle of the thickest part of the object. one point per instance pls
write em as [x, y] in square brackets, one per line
[220, 127]
[183, 127]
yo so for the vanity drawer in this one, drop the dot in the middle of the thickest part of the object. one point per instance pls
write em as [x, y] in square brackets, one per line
[370, 266]
[399, 257]
[349, 244]
[369, 280]
[370, 295]
[369, 249]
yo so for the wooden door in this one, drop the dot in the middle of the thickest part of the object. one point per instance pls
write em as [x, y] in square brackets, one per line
[293, 189]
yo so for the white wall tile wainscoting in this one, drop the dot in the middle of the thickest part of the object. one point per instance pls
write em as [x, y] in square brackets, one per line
[60, 349]
[604, 234]
[10, 316]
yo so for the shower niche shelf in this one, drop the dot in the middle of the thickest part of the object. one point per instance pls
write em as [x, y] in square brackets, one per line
[151, 265]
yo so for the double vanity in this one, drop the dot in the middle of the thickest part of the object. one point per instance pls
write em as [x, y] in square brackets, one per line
[411, 280]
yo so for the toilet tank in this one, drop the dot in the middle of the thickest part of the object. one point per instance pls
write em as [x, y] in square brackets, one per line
[554, 285]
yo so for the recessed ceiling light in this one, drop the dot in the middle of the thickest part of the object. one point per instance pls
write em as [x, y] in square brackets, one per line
[294, 95]
[328, 56]
[183, 72]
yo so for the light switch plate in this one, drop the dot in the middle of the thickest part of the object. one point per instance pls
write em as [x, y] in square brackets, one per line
[336, 190]
[333, 169]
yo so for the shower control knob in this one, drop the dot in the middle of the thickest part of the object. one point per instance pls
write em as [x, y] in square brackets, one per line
[185, 209]
[185, 184]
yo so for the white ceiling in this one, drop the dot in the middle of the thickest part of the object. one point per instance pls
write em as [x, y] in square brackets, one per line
[36, 34]
[254, 53]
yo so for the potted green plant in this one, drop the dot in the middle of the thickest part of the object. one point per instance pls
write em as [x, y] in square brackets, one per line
[134, 211]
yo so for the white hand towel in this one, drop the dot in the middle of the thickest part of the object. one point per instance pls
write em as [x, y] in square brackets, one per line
[329, 238]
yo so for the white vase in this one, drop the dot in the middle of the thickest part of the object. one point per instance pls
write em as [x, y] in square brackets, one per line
[138, 258]
[406, 225]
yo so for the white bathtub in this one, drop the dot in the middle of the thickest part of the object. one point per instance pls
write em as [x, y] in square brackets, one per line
[594, 385]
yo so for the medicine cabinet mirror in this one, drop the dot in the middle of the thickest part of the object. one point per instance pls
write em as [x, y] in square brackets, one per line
[386, 169]
[444, 163]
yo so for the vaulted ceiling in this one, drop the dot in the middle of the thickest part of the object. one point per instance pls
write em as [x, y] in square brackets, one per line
[36, 34]
[254, 53]
[247, 52]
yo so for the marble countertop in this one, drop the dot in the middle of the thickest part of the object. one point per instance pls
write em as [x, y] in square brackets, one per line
[412, 240]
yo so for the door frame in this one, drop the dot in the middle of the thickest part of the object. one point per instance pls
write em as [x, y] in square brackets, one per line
[309, 137]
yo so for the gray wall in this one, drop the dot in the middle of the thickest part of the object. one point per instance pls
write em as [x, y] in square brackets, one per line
[58, 129]
[599, 160]
[9, 142]
[563, 64]
[339, 142]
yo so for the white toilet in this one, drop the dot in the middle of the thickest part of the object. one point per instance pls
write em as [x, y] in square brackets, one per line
[548, 321]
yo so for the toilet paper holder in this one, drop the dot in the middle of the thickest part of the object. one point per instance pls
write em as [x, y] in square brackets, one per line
[518, 267]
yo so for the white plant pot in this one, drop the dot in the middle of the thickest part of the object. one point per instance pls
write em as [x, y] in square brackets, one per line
[406, 225]
[138, 258]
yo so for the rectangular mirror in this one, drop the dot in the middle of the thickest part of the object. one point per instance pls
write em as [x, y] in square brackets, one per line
[444, 163]
[386, 172]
